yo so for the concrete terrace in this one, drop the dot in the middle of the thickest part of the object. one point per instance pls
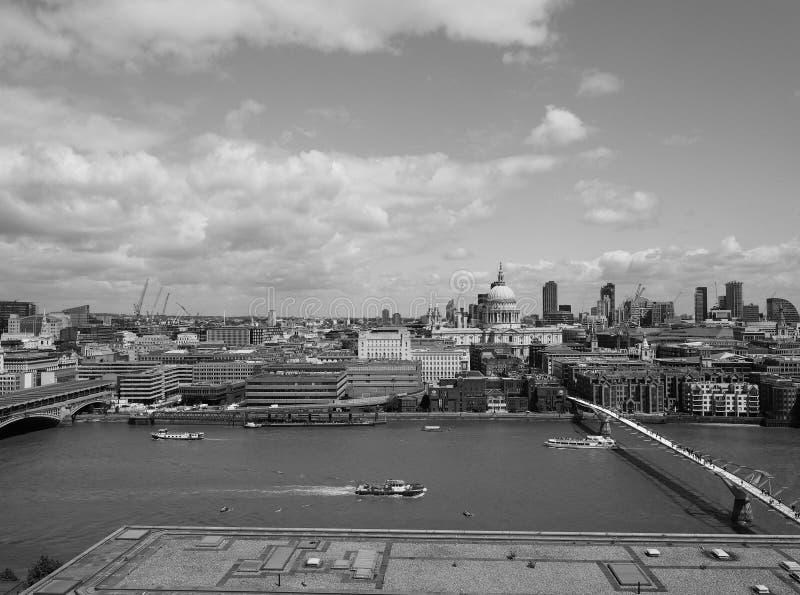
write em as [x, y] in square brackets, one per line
[153, 560]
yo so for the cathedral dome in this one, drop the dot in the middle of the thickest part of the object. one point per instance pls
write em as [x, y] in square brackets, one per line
[501, 293]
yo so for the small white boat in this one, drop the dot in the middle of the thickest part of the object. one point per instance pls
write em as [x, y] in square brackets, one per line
[587, 442]
[431, 428]
[252, 424]
[391, 487]
[164, 434]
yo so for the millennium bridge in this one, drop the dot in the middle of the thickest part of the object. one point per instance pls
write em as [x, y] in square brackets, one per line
[755, 485]
[59, 402]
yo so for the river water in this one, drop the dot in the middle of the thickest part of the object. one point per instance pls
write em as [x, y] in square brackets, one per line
[63, 489]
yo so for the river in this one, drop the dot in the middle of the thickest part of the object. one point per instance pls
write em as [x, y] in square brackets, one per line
[65, 488]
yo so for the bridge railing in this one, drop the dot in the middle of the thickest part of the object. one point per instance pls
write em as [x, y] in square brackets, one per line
[752, 489]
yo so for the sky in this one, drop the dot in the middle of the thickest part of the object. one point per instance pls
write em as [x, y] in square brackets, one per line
[325, 158]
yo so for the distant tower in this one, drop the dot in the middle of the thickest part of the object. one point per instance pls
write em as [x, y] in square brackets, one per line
[608, 291]
[700, 304]
[549, 297]
[733, 298]
[385, 317]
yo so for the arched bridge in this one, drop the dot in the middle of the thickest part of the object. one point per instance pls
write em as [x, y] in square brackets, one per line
[755, 485]
[59, 402]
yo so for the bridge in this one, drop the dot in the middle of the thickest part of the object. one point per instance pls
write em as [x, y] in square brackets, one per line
[59, 402]
[755, 485]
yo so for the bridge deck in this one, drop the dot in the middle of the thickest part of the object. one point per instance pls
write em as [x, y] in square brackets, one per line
[751, 489]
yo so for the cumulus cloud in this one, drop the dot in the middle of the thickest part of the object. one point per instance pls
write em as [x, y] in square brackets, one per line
[612, 204]
[235, 209]
[235, 120]
[137, 34]
[595, 83]
[558, 127]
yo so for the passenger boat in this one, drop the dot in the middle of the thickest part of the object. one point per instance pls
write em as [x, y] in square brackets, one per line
[587, 442]
[164, 434]
[391, 487]
[431, 428]
[252, 424]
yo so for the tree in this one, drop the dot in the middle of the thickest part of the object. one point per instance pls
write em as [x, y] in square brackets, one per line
[8, 575]
[44, 566]
[425, 403]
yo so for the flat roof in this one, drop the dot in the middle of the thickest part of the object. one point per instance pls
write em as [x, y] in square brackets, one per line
[159, 559]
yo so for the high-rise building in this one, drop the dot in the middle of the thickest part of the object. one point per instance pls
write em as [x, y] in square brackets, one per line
[750, 313]
[778, 306]
[385, 316]
[549, 297]
[722, 302]
[21, 309]
[700, 304]
[733, 298]
[607, 291]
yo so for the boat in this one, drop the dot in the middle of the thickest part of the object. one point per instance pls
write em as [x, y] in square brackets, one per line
[252, 424]
[431, 428]
[587, 442]
[391, 487]
[164, 434]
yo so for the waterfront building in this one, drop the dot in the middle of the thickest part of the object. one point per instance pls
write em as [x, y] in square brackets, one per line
[215, 394]
[154, 384]
[294, 389]
[549, 298]
[384, 377]
[607, 298]
[732, 399]
[631, 391]
[779, 306]
[440, 363]
[89, 370]
[700, 304]
[779, 397]
[385, 343]
[224, 372]
[733, 298]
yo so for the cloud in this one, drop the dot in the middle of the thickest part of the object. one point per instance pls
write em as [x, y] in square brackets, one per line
[144, 33]
[459, 253]
[681, 140]
[558, 127]
[235, 209]
[612, 204]
[31, 115]
[527, 58]
[599, 157]
[595, 83]
[235, 120]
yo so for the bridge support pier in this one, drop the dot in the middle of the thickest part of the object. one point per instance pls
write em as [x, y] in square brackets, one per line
[66, 417]
[742, 512]
[605, 425]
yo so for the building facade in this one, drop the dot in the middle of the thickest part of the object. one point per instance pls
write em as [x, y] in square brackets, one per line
[733, 298]
[385, 343]
[700, 304]
[549, 298]
[608, 296]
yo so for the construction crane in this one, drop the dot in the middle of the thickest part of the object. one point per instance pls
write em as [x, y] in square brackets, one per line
[155, 301]
[177, 318]
[636, 315]
[137, 307]
[164, 309]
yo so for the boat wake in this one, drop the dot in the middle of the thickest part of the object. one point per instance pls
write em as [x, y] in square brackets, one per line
[295, 490]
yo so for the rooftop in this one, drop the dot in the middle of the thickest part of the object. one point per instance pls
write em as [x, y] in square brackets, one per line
[237, 560]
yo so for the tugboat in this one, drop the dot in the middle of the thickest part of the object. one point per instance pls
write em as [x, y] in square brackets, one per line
[164, 434]
[391, 487]
[587, 442]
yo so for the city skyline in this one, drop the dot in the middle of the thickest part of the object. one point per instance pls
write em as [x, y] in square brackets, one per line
[367, 151]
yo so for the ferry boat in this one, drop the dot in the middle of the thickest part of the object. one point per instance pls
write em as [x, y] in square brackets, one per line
[164, 434]
[587, 442]
[391, 487]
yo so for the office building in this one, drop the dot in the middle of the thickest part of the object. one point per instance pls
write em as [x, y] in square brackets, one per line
[750, 313]
[733, 298]
[549, 298]
[21, 309]
[231, 336]
[700, 304]
[777, 307]
[385, 343]
[607, 296]
[385, 317]
[294, 389]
